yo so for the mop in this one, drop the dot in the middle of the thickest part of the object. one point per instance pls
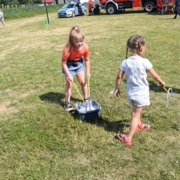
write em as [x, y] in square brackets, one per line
[87, 109]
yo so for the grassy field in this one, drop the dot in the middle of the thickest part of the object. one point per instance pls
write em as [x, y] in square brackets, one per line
[39, 140]
[28, 11]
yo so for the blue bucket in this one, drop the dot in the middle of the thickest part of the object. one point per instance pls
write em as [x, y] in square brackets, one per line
[88, 110]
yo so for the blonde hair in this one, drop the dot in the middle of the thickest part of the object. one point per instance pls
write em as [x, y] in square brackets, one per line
[134, 44]
[74, 34]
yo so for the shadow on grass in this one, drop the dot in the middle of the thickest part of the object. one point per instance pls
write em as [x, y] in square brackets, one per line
[140, 11]
[55, 97]
[58, 98]
[116, 126]
[120, 13]
[154, 87]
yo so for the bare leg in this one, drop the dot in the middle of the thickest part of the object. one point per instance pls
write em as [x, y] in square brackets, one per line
[136, 115]
[82, 82]
[68, 89]
[2, 23]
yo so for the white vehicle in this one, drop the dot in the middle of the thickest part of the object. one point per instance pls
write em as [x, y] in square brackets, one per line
[70, 10]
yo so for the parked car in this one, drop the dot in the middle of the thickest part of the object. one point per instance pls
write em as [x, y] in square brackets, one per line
[70, 10]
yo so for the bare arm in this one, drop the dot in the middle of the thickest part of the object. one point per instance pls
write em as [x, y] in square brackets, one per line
[64, 65]
[153, 73]
[118, 82]
[87, 63]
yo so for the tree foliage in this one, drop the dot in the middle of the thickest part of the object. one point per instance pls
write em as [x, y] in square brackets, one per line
[14, 3]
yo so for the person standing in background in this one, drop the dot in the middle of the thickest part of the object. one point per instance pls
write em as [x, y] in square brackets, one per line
[79, 7]
[177, 8]
[2, 17]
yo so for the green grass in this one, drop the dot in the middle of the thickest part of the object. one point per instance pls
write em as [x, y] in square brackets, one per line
[29, 11]
[39, 140]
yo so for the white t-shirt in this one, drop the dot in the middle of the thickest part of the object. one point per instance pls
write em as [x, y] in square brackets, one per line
[135, 68]
[1, 14]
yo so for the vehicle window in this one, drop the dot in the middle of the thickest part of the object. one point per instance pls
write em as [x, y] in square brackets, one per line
[65, 6]
[70, 6]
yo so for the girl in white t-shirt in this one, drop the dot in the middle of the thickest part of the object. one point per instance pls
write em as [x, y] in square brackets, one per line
[136, 68]
[2, 17]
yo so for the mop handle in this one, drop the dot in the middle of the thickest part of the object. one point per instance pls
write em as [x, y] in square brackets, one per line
[169, 93]
[165, 89]
[78, 91]
[89, 86]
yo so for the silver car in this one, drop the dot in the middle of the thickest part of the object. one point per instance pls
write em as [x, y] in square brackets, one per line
[70, 10]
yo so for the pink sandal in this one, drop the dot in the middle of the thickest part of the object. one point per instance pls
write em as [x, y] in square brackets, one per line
[124, 138]
[143, 126]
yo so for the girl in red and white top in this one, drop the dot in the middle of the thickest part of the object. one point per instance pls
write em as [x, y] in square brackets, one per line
[72, 64]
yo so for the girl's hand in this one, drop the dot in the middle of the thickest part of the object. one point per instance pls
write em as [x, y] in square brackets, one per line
[117, 92]
[70, 78]
[162, 84]
[88, 75]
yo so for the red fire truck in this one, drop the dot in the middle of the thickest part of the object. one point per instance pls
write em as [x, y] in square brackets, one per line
[115, 6]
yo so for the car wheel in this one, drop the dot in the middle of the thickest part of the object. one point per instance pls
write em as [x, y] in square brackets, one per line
[73, 14]
[149, 6]
[111, 9]
[82, 117]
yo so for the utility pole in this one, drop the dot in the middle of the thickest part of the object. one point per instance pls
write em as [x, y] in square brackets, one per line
[46, 11]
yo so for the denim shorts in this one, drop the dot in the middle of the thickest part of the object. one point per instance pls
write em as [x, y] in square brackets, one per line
[74, 69]
[138, 97]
